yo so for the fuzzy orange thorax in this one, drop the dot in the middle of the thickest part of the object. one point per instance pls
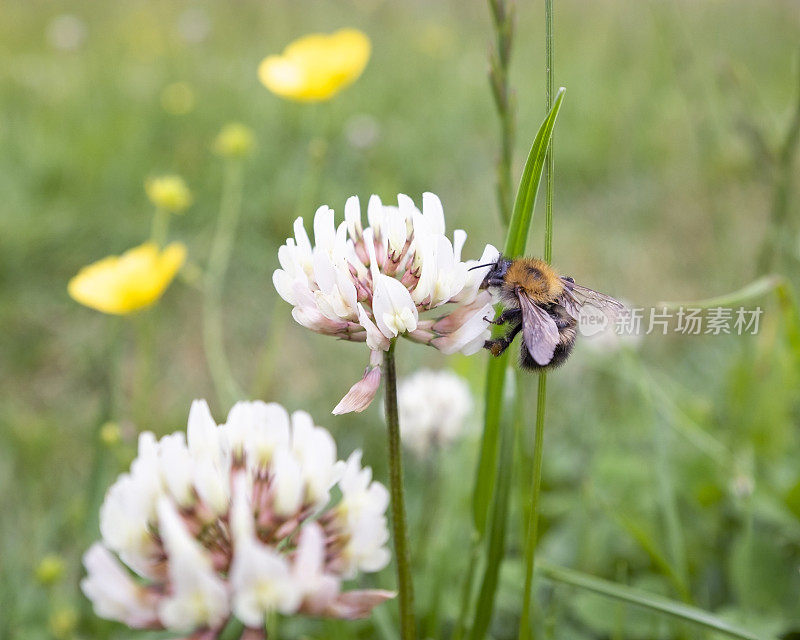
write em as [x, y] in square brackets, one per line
[537, 278]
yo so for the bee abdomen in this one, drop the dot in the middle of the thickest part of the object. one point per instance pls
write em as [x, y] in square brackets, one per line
[560, 355]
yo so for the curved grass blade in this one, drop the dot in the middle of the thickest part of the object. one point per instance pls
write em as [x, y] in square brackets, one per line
[516, 239]
[522, 213]
[647, 600]
[755, 289]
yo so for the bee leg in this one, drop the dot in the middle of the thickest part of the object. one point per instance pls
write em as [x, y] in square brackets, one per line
[498, 345]
[507, 315]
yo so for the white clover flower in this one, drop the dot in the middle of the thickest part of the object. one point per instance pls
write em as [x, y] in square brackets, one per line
[237, 520]
[376, 283]
[433, 406]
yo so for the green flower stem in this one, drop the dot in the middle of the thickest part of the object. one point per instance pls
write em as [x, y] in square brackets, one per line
[111, 396]
[499, 61]
[159, 228]
[227, 389]
[399, 525]
[317, 152]
[549, 97]
[466, 587]
[533, 518]
[541, 396]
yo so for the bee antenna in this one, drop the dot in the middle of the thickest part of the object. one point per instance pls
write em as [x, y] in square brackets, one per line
[479, 266]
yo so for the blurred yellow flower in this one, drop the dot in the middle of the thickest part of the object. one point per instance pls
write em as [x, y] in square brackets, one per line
[234, 141]
[110, 434]
[50, 570]
[62, 622]
[177, 98]
[127, 283]
[317, 66]
[169, 193]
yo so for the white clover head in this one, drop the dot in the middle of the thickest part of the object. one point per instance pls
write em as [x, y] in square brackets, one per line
[433, 407]
[237, 520]
[385, 281]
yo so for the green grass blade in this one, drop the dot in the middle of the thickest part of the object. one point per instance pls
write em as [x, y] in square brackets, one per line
[644, 599]
[496, 542]
[522, 214]
[515, 245]
[487, 461]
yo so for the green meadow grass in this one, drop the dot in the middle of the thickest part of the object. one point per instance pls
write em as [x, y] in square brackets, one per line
[674, 469]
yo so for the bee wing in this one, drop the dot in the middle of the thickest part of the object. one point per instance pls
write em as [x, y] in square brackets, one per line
[538, 330]
[575, 296]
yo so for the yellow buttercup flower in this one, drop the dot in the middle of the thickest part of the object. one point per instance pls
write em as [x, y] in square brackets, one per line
[169, 193]
[127, 283]
[317, 66]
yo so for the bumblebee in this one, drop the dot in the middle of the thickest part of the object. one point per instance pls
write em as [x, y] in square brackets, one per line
[542, 304]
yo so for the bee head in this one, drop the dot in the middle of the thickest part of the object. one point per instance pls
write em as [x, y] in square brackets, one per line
[494, 277]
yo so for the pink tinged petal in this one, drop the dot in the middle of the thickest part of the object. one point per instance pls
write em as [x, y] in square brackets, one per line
[421, 336]
[361, 393]
[465, 336]
[253, 633]
[375, 338]
[353, 605]
[114, 593]
[311, 318]
[462, 313]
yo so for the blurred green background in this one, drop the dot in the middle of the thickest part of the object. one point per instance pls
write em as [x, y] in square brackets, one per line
[674, 468]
